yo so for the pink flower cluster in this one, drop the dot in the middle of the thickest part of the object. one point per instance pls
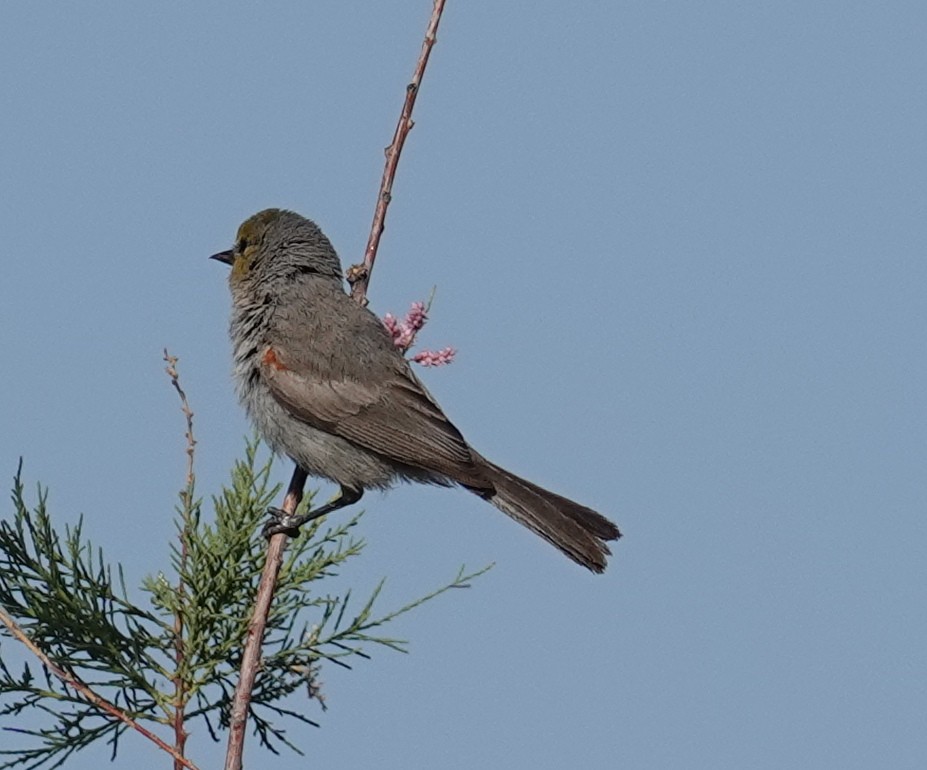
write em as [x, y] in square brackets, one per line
[435, 357]
[403, 333]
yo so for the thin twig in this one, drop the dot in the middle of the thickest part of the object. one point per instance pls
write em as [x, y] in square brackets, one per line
[359, 278]
[180, 689]
[101, 703]
[171, 370]
[359, 275]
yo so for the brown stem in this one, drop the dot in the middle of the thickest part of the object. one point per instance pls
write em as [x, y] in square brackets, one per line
[359, 278]
[359, 275]
[180, 685]
[101, 703]
[251, 658]
[180, 689]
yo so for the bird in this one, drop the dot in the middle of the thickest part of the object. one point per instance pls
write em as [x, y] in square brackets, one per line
[321, 379]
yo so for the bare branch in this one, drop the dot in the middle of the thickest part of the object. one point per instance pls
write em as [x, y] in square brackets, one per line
[359, 275]
[251, 658]
[180, 693]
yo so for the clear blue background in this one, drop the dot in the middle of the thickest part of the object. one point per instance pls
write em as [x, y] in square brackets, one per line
[681, 249]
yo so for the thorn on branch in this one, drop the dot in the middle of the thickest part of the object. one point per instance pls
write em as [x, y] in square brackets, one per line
[355, 273]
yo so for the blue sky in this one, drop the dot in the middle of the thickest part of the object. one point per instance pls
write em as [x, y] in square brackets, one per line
[680, 248]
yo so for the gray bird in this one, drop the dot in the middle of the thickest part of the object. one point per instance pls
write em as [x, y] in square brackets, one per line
[324, 384]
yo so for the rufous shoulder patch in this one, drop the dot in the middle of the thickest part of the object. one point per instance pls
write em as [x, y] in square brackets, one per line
[270, 359]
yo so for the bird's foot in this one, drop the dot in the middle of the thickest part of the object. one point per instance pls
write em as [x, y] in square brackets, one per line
[283, 523]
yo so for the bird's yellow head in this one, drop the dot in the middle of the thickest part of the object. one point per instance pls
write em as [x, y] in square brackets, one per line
[244, 254]
[274, 243]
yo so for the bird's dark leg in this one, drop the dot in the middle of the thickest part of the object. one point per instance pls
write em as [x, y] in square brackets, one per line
[280, 522]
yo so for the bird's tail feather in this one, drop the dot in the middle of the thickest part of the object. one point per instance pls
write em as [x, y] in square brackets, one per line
[576, 530]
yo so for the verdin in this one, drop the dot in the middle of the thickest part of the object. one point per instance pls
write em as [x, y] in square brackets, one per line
[324, 384]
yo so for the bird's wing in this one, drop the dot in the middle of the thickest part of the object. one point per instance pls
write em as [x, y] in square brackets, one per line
[395, 418]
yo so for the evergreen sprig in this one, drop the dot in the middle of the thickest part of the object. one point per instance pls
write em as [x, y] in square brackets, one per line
[177, 659]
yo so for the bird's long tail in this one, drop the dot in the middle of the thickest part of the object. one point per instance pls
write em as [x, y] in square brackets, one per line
[578, 531]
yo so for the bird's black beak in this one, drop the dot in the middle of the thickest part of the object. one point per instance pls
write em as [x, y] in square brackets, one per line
[224, 256]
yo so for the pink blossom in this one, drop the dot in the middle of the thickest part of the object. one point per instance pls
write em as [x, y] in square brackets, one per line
[435, 357]
[416, 317]
[392, 326]
[403, 333]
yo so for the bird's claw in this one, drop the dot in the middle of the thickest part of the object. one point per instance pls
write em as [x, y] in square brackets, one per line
[281, 523]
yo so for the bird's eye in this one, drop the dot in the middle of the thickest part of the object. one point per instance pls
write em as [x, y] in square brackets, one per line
[240, 246]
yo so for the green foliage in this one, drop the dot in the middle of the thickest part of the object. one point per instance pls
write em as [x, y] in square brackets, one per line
[176, 660]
